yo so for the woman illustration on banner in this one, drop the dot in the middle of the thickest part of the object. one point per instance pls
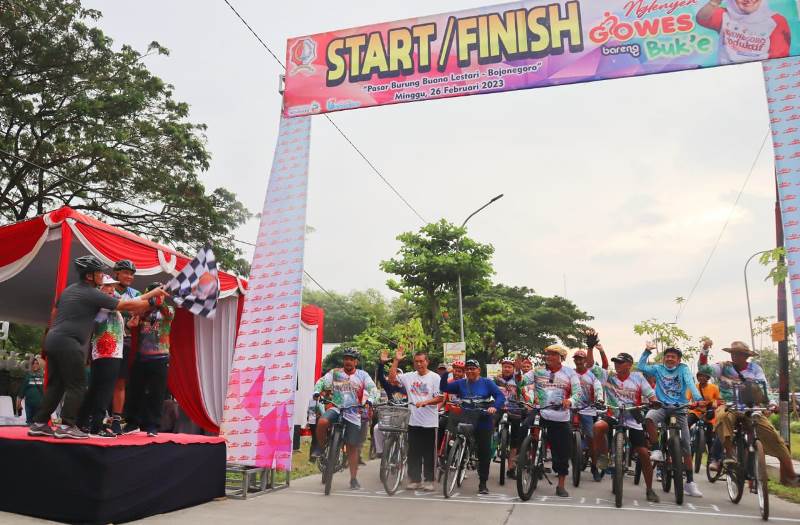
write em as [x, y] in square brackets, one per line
[748, 30]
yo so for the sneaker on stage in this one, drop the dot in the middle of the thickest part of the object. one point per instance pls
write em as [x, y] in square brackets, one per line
[66, 432]
[104, 433]
[116, 425]
[40, 429]
[153, 432]
[130, 429]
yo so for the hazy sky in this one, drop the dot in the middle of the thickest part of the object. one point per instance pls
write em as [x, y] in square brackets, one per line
[618, 187]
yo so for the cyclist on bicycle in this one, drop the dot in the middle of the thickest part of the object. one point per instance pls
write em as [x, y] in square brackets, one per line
[555, 384]
[422, 386]
[710, 393]
[395, 393]
[475, 388]
[734, 378]
[673, 379]
[508, 382]
[623, 387]
[348, 385]
[591, 392]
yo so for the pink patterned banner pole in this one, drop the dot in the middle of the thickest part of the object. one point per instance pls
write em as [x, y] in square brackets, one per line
[257, 418]
[782, 78]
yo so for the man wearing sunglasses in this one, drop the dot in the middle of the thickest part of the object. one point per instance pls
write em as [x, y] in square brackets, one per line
[480, 390]
[555, 384]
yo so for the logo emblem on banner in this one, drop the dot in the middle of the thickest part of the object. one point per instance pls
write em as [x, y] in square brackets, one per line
[303, 54]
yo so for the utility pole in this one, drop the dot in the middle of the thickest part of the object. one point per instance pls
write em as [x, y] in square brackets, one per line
[783, 344]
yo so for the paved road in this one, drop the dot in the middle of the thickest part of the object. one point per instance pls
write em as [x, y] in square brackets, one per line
[591, 503]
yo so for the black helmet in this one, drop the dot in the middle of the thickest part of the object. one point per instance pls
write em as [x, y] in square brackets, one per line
[153, 286]
[88, 264]
[125, 264]
[351, 352]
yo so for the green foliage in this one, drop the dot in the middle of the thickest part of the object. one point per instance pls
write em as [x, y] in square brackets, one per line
[428, 265]
[98, 117]
[778, 272]
[666, 335]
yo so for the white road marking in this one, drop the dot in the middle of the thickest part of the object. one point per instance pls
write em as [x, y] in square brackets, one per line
[515, 501]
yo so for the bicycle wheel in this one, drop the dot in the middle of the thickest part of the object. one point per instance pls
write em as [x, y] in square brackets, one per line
[576, 458]
[334, 449]
[451, 468]
[502, 451]
[711, 475]
[699, 447]
[462, 468]
[527, 477]
[666, 473]
[761, 481]
[637, 471]
[392, 465]
[619, 467]
[676, 455]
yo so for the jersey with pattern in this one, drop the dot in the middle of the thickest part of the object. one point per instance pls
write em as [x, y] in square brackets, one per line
[634, 390]
[347, 390]
[552, 388]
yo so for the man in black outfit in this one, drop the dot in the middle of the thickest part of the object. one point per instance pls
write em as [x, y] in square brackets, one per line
[66, 346]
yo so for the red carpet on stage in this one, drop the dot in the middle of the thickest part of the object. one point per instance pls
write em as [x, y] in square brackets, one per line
[131, 440]
[108, 480]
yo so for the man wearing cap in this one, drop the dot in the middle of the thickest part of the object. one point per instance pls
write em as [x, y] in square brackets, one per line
[622, 387]
[732, 377]
[555, 384]
[478, 389]
[591, 392]
[508, 383]
[673, 380]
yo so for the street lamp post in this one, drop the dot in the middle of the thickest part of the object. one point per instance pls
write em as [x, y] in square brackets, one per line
[747, 295]
[460, 300]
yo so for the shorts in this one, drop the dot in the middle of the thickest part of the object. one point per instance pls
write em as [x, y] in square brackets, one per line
[352, 432]
[659, 416]
[636, 438]
[124, 369]
[587, 425]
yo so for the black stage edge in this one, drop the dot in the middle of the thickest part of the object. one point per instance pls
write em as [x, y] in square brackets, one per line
[90, 484]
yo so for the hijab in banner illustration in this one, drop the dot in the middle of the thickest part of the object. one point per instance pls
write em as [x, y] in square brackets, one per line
[536, 43]
[258, 412]
[782, 78]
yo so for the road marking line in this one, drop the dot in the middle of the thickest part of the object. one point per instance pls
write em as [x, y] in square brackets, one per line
[530, 503]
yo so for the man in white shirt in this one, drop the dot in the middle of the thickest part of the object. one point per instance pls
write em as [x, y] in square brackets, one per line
[422, 387]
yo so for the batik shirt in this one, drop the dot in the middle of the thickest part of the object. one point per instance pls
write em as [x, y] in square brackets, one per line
[509, 388]
[127, 295]
[154, 330]
[107, 336]
[591, 392]
[552, 388]
[348, 389]
[631, 392]
[728, 379]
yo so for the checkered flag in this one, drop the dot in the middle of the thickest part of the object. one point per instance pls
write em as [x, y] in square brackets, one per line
[196, 288]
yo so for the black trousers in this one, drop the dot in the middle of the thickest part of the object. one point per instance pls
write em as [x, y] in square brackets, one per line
[101, 389]
[558, 437]
[66, 376]
[146, 392]
[421, 447]
[483, 438]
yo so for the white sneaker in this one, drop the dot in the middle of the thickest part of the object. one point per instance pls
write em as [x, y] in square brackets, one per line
[657, 455]
[428, 486]
[691, 490]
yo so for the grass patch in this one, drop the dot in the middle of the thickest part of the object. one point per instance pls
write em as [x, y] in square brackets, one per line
[783, 492]
[795, 445]
[302, 467]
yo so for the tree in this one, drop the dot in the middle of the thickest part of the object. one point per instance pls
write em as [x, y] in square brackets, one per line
[108, 135]
[666, 335]
[428, 265]
[505, 320]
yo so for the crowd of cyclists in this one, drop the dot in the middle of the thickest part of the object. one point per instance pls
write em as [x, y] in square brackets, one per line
[588, 397]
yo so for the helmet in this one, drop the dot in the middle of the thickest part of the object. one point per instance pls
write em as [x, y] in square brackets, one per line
[88, 264]
[507, 360]
[125, 264]
[351, 352]
[473, 362]
[458, 364]
[152, 286]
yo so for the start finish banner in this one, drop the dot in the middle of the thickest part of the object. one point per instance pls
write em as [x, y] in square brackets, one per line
[529, 44]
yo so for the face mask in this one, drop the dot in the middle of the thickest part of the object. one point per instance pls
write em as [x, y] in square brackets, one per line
[670, 368]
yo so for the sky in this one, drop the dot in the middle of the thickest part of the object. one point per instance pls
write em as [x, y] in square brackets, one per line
[615, 191]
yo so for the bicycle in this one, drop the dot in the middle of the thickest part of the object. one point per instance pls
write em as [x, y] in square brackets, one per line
[621, 447]
[503, 437]
[393, 419]
[670, 444]
[333, 458]
[701, 436]
[530, 460]
[750, 465]
[579, 455]
[461, 426]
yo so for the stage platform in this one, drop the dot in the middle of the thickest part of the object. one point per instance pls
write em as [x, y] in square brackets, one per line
[108, 480]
